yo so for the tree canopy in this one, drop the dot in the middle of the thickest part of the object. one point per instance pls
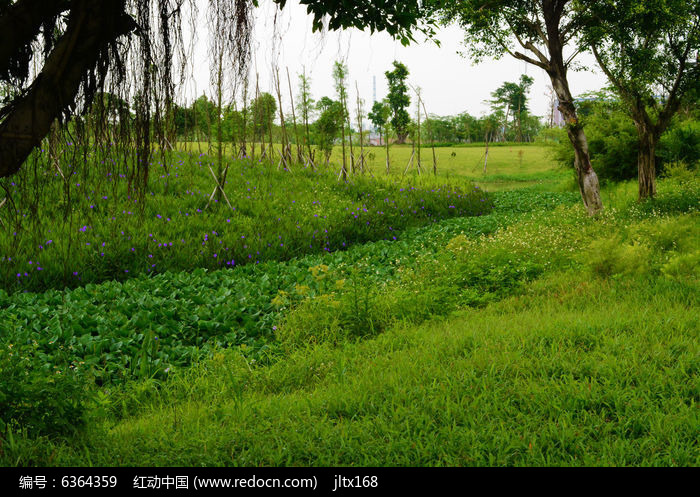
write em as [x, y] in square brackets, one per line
[399, 100]
[649, 52]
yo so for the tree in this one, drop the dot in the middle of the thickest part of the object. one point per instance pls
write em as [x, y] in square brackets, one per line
[184, 121]
[379, 116]
[648, 51]
[340, 73]
[262, 111]
[489, 125]
[515, 95]
[205, 114]
[329, 123]
[399, 100]
[306, 107]
[79, 42]
[233, 124]
[542, 28]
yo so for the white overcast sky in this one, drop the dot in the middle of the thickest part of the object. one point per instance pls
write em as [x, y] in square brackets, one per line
[450, 83]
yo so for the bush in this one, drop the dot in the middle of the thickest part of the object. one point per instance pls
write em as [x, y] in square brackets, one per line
[34, 399]
[613, 143]
[683, 266]
[681, 143]
[610, 256]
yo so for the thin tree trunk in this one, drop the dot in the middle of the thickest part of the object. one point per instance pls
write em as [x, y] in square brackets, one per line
[359, 122]
[486, 154]
[300, 158]
[386, 146]
[219, 130]
[418, 131]
[586, 177]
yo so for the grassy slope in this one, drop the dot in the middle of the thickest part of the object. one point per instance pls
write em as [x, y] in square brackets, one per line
[595, 362]
[573, 373]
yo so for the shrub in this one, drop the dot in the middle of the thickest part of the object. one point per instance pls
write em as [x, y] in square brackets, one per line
[683, 266]
[681, 143]
[610, 256]
[34, 399]
[613, 142]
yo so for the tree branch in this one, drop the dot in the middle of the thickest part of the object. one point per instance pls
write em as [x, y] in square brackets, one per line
[544, 62]
[92, 27]
[21, 23]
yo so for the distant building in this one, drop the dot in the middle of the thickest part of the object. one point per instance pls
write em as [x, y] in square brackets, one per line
[558, 117]
[376, 139]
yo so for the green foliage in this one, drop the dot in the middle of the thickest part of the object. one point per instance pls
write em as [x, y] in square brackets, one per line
[379, 116]
[683, 266]
[613, 141]
[262, 112]
[398, 19]
[681, 143]
[613, 145]
[661, 40]
[329, 124]
[398, 100]
[610, 256]
[490, 327]
[512, 97]
[37, 396]
[275, 215]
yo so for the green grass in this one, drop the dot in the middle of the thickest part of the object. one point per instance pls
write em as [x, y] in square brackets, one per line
[509, 166]
[530, 336]
[107, 232]
[556, 378]
[430, 323]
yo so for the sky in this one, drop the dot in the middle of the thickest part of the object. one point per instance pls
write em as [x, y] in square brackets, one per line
[450, 83]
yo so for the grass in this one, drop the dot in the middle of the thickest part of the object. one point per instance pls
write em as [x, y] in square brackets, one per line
[108, 232]
[509, 166]
[528, 335]
[536, 381]
[531, 336]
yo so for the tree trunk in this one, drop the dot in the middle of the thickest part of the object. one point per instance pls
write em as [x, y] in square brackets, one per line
[585, 175]
[486, 153]
[20, 24]
[386, 147]
[91, 28]
[646, 163]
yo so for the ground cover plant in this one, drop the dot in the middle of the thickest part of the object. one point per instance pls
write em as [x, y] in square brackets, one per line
[483, 340]
[99, 229]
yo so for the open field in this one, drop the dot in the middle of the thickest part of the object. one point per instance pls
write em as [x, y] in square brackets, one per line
[509, 165]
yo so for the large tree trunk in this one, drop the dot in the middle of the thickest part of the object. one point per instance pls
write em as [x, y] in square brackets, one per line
[21, 23]
[92, 26]
[646, 163]
[585, 175]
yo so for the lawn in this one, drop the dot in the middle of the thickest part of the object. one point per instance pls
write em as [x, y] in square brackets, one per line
[509, 165]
